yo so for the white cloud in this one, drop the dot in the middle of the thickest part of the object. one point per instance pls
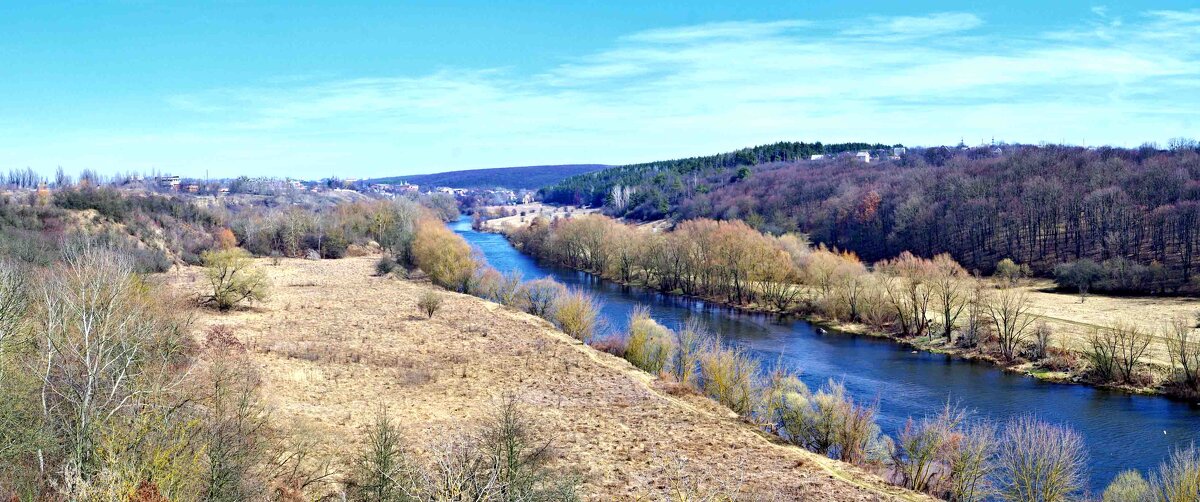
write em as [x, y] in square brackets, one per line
[915, 26]
[704, 89]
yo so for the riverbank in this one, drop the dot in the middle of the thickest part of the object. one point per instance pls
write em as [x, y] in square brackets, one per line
[334, 343]
[1070, 327]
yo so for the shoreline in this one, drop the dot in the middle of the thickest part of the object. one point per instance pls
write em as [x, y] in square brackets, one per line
[1025, 368]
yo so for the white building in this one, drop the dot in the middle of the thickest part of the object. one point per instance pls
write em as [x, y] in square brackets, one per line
[863, 156]
[816, 157]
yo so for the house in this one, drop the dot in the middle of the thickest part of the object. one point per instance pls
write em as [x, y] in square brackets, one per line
[898, 151]
[223, 191]
[863, 156]
[170, 182]
[191, 188]
[816, 157]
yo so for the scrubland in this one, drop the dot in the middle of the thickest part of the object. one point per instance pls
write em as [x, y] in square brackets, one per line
[335, 343]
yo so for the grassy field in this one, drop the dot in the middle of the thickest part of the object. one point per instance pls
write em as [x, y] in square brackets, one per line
[334, 344]
[533, 210]
[1073, 321]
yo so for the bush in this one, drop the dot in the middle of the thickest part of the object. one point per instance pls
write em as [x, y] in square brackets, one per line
[505, 460]
[727, 375]
[1011, 272]
[829, 422]
[1128, 486]
[1042, 338]
[233, 278]
[444, 255]
[508, 290]
[577, 314]
[690, 342]
[1040, 461]
[386, 265]
[1079, 275]
[429, 302]
[541, 296]
[486, 283]
[650, 345]
[381, 471]
[1178, 478]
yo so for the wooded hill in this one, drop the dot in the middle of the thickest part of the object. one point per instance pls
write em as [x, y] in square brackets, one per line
[526, 177]
[653, 187]
[1134, 211]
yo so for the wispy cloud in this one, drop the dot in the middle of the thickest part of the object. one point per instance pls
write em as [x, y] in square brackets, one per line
[696, 89]
[895, 28]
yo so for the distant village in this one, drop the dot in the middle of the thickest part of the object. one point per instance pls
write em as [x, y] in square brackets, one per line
[30, 180]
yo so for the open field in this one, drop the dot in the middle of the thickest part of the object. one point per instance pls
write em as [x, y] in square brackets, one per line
[333, 344]
[536, 209]
[1073, 321]
[533, 210]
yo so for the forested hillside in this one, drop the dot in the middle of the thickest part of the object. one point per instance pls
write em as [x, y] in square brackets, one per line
[527, 177]
[651, 189]
[1136, 213]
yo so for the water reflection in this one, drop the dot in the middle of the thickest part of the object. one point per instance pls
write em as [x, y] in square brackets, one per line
[1122, 431]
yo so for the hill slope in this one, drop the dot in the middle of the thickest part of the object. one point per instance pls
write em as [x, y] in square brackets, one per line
[527, 177]
[335, 343]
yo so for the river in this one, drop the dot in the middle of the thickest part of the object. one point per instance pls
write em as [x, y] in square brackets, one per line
[1122, 431]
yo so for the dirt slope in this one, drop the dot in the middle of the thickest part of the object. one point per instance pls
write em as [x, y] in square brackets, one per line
[334, 343]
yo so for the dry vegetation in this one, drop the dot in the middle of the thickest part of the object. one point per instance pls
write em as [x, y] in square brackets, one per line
[931, 303]
[335, 344]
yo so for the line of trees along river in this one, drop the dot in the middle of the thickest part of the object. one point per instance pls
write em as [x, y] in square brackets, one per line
[1119, 431]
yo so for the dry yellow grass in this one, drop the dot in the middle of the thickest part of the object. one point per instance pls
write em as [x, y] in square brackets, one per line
[1073, 321]
[334, 343]
[533, 210]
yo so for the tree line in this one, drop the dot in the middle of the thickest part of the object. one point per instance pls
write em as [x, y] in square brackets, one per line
[908, 296]
[950, 454]
[648, 190]
[1135, 212]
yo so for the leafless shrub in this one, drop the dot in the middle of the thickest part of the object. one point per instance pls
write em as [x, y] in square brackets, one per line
[1178, 478]
[508, 290]
[1042, 339]
[1040, 461]
[429, 302]
[220, 337]
[506, 460]
[540, 296]
[382, 471]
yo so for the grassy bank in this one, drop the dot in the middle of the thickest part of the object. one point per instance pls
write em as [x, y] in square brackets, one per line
[335, 343]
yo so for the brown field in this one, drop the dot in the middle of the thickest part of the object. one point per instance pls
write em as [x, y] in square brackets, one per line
[532, 211]
[333, 344]
[1073, 321]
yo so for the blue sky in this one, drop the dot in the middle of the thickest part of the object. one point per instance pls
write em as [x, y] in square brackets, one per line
[382, 88]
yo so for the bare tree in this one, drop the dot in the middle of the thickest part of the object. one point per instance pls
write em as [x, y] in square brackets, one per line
[1102, 354]
[951, 291]
[1131, 347]
[1010, 314]
[1183, 346]
[103, 350]
[14, 302]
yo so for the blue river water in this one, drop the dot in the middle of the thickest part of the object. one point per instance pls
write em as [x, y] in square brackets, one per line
[1122, 431]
